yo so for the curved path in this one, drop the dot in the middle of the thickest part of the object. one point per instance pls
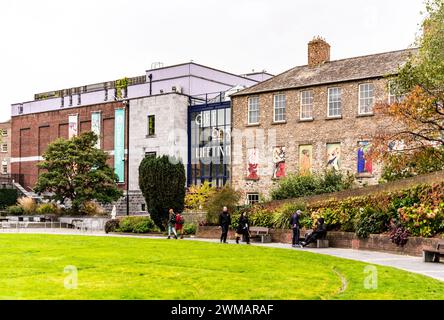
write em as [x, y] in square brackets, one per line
[403, 262]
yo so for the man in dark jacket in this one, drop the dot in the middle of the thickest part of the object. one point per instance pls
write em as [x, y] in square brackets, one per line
[243, 228]
[294, 224]
[319, 233]
[224, 222]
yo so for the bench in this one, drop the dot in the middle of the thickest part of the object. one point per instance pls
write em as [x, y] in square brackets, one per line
[320, 243]
[261, 232]
[433, 254]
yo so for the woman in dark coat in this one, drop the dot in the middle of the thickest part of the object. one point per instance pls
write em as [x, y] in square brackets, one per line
[243, 228]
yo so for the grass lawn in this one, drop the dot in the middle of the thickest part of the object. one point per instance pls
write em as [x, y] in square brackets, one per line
[32, 267]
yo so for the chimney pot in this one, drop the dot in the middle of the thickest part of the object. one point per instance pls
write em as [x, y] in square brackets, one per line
[318, 52]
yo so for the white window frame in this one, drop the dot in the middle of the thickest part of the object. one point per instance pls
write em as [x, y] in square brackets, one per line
[257, 109]
[328, 103]
[302, 105]
[360, 99]
[3, 149]
[252, 194]
[4, 132]
[4, 169]
[393, 96]
[284, 108]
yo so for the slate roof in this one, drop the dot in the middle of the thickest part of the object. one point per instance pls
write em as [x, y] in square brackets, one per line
[357, 68]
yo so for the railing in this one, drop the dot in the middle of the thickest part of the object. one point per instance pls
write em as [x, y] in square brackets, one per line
[213, 97]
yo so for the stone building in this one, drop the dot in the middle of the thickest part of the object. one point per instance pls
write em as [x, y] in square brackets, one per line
[311, 118]
[5, 148]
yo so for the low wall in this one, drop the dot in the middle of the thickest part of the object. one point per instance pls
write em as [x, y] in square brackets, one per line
[194, 217]
[348, 240]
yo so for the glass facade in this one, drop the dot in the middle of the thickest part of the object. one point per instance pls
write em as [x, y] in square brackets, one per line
[210, 144]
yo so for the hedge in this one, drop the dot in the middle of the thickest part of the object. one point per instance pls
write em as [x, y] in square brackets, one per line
[8, 197]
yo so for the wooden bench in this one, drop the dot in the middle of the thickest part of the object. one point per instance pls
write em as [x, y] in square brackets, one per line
[261, 232]
[433, 254]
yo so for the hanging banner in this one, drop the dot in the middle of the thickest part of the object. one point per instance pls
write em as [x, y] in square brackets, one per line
[95, 126]
[119, 143]
[73, 126]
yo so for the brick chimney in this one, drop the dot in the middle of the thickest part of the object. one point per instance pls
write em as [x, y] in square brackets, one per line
[318, 52]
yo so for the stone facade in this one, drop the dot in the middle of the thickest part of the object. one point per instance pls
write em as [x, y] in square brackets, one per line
[5, 148]
[347, 130]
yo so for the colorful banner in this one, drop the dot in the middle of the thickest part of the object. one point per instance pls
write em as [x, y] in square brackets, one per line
[305, 159]
[253, 162]
[95, 126]
[279, 158]
[73, 126]
[119, 144]
[334, 156]
[364, 160]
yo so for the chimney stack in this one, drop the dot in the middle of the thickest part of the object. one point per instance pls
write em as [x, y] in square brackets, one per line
[318, 52]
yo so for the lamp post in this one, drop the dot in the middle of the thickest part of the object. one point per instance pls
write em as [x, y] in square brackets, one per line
[127, 105]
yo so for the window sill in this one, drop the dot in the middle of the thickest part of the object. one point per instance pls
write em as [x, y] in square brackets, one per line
[150, 136]
[334, 118]
[252, 124]
[306, 120]
[279, 122]
[363, 115]
[364, 175]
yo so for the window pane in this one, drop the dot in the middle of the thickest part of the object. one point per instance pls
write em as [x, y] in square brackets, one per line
[334, 102]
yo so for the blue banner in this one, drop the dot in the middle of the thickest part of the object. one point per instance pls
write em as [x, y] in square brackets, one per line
[119, 144]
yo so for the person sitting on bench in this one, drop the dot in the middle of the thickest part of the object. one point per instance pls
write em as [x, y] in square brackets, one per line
[319, 233]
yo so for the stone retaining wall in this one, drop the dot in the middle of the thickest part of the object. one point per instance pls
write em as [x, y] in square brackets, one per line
[348, 240]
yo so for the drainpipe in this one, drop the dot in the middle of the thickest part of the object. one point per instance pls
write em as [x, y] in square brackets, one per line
[151, 83]
[127, 103]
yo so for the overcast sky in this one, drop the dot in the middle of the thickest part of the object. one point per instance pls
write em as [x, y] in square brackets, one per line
[55, 44]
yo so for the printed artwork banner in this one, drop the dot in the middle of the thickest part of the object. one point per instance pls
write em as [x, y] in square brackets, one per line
[253, 163]
[305, 159]
[279, 157]
[95, 126]
[119, 143]
[73, 126]
[334, 156]
[364, 161]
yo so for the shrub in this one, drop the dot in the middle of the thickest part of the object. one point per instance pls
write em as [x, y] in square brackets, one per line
[92, 208]
[27, 204]
[14, 211]
[8, 197]
[295, 186]
[197, 196]
[189, 228]
[370, 221]
[281, 218]
[399, 234]
[111, 225]
[47, 208]
[162, 182]
[227, 197]
[137, 225]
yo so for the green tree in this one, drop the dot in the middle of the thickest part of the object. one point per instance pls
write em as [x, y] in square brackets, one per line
[76, 170]
[225, 197]
[418, 118]
[162, 182]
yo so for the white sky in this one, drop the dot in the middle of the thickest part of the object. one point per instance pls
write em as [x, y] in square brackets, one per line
[55, 44]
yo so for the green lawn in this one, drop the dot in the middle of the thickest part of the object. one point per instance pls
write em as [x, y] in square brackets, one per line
[32, 267]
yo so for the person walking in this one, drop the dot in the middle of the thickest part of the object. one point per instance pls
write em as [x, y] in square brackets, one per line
[224, 222]
[294, 224]
[179, 224]
[243, 228]
[171, 224]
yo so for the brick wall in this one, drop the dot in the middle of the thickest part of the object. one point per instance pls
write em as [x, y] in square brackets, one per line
[347, 130]
[33, 132]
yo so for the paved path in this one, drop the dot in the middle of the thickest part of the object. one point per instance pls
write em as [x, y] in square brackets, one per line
[403, 262]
